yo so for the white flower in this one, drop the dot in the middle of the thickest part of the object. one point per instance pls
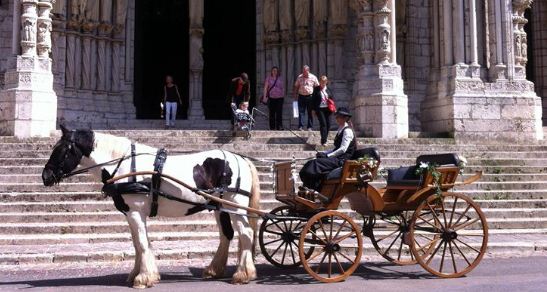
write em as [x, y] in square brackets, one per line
[424, 165]
[463, 161]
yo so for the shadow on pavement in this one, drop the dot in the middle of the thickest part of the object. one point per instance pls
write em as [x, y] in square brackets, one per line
[267, 275]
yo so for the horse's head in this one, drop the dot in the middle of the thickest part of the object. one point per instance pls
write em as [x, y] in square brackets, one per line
[67, 154]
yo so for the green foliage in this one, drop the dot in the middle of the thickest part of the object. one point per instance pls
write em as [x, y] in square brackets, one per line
[431, 168]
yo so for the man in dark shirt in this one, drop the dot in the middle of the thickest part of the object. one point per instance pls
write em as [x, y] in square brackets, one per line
[240, 89]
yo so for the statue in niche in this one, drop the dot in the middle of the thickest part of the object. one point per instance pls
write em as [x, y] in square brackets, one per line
[121, 15]
[285, 16]
[78, 8]
[400, 14]
[339, 11]
[302, 12]
[59, 9]
[524, 48]
[92, 10]
[43, 32]
[518, 46]
[28, 31]
[385, 40]
[106, 11]
[369, 41]
[196, 12]
[269, 13]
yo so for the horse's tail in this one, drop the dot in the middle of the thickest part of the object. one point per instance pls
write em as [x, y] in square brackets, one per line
[254, 202]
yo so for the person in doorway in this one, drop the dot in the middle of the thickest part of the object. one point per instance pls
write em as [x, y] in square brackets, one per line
[344, 146]
[171, 98]
[274, 93]
[303, 90]
[321, 95]
[240, 89]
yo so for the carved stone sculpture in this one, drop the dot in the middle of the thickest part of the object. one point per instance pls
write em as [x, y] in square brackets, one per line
[121, 15]
[28, 31]
[302, 12]
[106, 11]
[285, 15]
[92, 10]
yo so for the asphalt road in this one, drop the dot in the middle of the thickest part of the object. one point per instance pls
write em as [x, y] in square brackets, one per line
[497, 274]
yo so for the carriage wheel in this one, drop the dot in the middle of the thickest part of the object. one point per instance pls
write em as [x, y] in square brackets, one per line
[390, 237]
[278, 239]
[454, 230]
[337, 243]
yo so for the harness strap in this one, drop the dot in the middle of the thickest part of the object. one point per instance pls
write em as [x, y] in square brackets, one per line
[161, 156]
[133, 162]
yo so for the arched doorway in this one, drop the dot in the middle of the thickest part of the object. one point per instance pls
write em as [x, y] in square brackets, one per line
[161, 48]
[229, 45]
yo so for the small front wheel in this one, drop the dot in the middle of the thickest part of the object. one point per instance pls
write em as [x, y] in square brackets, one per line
[278, 238]
[337, 243]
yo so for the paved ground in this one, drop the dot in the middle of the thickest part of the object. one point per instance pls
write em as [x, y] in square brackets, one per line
[493, 274]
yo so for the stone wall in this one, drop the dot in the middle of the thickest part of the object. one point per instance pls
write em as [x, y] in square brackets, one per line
[539, 35]
[6, 27]
[414, 45]
[93, 66]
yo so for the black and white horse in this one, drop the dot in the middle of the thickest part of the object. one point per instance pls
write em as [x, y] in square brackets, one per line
[203, 170]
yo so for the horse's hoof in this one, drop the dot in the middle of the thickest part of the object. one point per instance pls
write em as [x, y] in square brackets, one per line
[240, 277]
[146, 280]
[210, 273]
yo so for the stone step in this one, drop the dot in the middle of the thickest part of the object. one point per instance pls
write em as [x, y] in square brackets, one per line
[204, 248]
[112, 216]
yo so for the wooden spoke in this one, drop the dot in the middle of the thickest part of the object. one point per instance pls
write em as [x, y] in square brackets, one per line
[477, 251]
[428, 222]
[463, 214]
[444, 216]
[391, 245]
[311, 263]
[434, 253]
[452, 213]
[400, 249]
[393, 242]
[463, 255]
[339, 265]
[338, 240]
[428, 252]
[442, 258]
[340, 229]
[384, 237]
[466, 224]
[284, 233]
[452, 255]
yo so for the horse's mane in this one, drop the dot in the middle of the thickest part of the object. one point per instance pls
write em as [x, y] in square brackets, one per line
[118, 146]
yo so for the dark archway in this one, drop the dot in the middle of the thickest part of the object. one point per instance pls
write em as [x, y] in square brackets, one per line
[229, 46]
[161, 48]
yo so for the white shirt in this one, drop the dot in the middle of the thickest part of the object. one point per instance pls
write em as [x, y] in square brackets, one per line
[324, 97]
[346, 140]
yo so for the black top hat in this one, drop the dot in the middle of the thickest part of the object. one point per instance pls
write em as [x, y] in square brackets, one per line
[342, 111]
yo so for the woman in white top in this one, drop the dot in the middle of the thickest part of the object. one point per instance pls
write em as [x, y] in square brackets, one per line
[321, 95]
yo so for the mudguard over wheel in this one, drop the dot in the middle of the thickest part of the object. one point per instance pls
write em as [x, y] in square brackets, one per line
[337, 243]
[448, 235]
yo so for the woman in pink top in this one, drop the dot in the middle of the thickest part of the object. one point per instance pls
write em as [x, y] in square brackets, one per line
[274, 92]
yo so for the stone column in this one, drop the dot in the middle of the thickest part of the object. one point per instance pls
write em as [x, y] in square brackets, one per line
[521, 40]
[302, 18]
[196, 60]
[381, 107]
[286, 21]
[319, 47]
[337, 32]
[28, 102]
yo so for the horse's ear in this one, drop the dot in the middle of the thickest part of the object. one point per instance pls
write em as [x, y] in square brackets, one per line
[63, 128]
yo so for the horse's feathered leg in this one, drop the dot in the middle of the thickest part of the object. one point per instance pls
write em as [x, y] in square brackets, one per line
[218, 264]
[147, 274]
[247, 228]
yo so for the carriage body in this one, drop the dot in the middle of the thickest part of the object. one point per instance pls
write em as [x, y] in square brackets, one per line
[415, 218]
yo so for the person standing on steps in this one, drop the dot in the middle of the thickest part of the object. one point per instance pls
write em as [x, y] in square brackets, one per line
[303, 90]
[273, 96]
[171, 98]
[321, 95]
[345, 145]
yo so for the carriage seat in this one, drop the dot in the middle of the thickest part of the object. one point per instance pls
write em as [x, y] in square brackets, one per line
[370, 151]
[406, 176]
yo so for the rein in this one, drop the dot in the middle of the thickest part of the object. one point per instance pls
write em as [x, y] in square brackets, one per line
[111, 162]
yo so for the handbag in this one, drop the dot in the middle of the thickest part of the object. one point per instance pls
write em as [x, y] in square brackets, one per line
[264, 98]
[330, 105]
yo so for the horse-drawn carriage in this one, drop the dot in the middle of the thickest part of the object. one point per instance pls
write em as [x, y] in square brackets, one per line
[415, 218]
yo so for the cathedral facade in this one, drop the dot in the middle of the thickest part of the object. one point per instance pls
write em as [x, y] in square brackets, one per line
[463, 68]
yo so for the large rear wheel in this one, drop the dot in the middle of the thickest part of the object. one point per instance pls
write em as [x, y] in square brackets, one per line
[448, 235]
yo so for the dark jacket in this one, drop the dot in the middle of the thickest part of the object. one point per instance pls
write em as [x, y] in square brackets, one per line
[233, 87]
[316, 97]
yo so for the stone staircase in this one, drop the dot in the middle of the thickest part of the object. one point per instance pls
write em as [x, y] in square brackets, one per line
[74, 222]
